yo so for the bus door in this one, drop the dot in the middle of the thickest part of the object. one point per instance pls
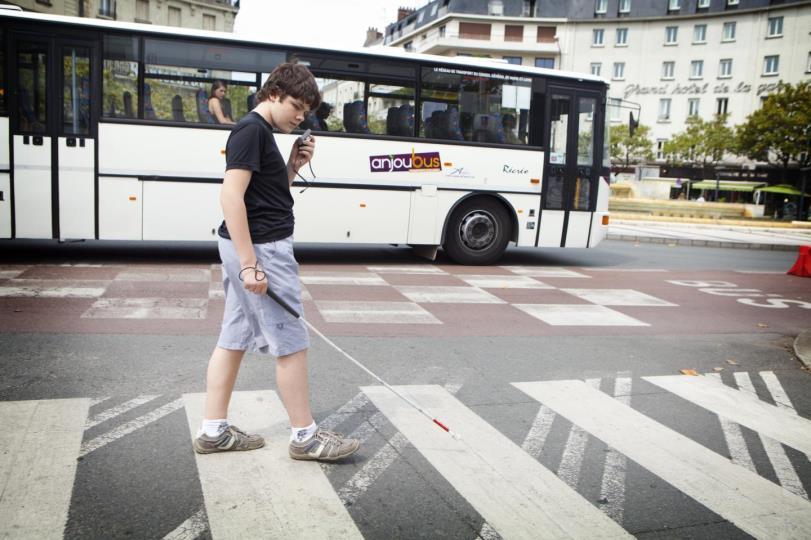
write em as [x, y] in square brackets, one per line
[570, 167]
[53, 137]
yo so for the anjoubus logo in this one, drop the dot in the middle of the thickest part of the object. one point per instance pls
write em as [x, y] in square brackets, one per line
[424, 161]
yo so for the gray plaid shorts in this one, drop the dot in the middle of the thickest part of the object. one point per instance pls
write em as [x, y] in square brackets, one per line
[255, 323]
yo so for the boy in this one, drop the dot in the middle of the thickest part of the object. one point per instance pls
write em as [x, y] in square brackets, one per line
[256, 248]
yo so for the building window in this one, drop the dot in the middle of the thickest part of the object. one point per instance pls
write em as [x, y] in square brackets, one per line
[625, 6]
[409, 47]
[671, 35]
[703, 4]
[660, 149]
[209, 22]
[548, 63]
[527, 11]
[721, 105]
[664, 109]
[697, 69]
[732, 3]
[692, 107]
[597, 67]
[142, 11]
[729, 31]
[668, 68]
[775, 27]
[496, 7]
[174, 16]
[546, 34]
[673, 5]
[622, 36]
[442, 30]
[619, 71]
[601, 6]
[513, 32]
[597, 37]
[474, 30]
[700, 33]
[771, 65]
[106, 8]
[515, 60]
[725, 68]
[614, 109]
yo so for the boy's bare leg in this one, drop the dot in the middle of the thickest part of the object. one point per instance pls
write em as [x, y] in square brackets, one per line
[222, 374]
[291, 378]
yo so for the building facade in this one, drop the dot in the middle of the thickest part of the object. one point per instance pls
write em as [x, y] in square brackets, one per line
[675, 58]
[216, 15]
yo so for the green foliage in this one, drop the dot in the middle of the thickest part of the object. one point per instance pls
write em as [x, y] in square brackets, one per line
[780, 131]
[627, 149]
[701, 143]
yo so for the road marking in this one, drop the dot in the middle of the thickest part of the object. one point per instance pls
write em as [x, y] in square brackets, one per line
[120, 409]
[544, 271]
[578, 315]
[263, 491]
[781, 464]
[736, 444]
[36, 288]
[147, 308]
[39, 444]
[421, 269]
[779, 395]
[752, 503]
[129, 427]
[337, 311]
[612, 489]
[160, 274]
[191, 528]
[617, 297]
[536, 438]
[741, 407]
[448, 294]
[342, 278]
[572, 459]
[503, 282]
[514, 493]
[349, 408]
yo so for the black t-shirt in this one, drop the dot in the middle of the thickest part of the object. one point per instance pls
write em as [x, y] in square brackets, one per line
[268, 201]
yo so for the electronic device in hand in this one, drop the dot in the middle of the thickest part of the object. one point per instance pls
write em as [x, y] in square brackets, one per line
[303, 137]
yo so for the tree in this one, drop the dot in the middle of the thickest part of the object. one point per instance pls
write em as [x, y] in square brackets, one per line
[780, 131]
[629, 149]
[702, 143]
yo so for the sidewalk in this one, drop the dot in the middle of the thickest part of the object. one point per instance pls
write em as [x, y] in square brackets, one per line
[740, 234]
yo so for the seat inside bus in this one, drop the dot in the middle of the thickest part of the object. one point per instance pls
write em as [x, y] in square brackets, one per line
[177, 109]
[149, 111]
[202, 107]
[355, 117]
[400, 121]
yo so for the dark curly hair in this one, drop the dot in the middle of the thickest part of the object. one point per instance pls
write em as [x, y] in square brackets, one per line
[293, 80]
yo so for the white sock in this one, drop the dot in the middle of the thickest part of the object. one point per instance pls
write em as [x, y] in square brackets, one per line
[213, 428]
[301, 434]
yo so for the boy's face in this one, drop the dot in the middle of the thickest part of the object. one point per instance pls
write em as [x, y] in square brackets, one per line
[287, 112]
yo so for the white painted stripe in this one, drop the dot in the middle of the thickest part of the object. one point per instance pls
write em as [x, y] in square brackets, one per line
[147, 308]
[578, 315]
[191, 528]
[736, 444]
[572, 459]
[342, 278]
[611, 269]
[45, 291]
[372, 469]
[448, 294]
[129, 427]
[781, 464]
[157, 274]
[617, 297]
[488, 533]
[421, 269]
[503, 282]
[95, 401]
[120, 409]
[350, 407]
[514, 493]
[536, 438]
[338, 311]
[779, 395]
[544, 271]
[741, 407]
[612, 488]
[752, 503]
[39, 444]
[263, 492]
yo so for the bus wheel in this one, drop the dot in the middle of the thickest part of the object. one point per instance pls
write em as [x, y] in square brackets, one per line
[478, 232]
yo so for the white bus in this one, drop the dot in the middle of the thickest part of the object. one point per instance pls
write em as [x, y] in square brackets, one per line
[110, 138]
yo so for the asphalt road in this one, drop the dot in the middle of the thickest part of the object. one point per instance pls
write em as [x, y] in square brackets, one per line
[130, 328]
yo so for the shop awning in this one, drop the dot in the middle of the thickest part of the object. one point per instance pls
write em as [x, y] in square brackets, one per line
[727, 185]
[783, 189]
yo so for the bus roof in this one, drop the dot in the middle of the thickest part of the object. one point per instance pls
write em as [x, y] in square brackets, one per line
[379, 52]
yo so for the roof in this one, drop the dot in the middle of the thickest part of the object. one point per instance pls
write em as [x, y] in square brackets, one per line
[783, 189]
[375, 52]
[726, 186]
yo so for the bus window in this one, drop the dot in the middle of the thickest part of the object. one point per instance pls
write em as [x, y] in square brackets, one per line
[120, 75]
[391, 110]
[76, 91]
[474, 106]
[32, 64]
[2, 76]
[585, 153]
[345, 108]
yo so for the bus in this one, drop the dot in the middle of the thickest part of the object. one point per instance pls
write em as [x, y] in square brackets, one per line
[110, 137]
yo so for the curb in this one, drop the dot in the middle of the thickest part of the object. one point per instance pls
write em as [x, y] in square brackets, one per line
[700, 243]
[802, 348]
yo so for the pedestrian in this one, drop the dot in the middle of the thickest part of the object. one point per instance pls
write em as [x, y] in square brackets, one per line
[256, 247]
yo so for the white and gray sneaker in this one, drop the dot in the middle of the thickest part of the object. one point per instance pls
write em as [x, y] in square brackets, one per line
[232, 439]
[324, 446]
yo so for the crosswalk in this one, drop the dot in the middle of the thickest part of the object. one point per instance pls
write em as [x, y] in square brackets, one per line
[510, 484]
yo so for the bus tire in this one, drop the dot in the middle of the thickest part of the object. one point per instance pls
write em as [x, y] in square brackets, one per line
[478, 232]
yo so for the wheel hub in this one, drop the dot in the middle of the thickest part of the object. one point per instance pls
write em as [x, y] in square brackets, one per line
[478, 230]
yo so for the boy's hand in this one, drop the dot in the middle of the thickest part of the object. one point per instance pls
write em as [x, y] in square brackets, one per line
[301, 154]
[255, 281]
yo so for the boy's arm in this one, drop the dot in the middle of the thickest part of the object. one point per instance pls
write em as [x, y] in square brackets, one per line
[300, 155]
[232, 199]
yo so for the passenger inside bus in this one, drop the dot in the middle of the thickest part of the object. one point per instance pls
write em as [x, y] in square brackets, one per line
[317, 119]
[510, 132]
[218, 105]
